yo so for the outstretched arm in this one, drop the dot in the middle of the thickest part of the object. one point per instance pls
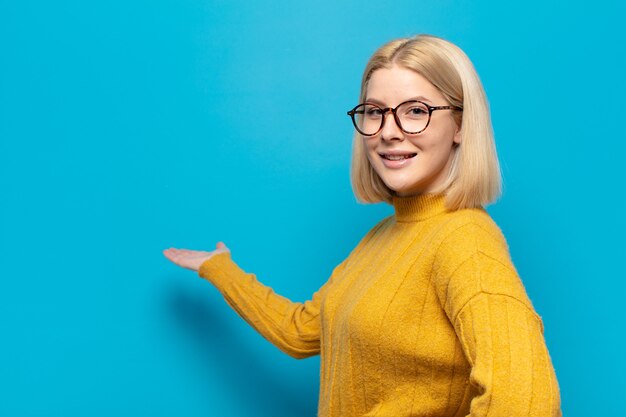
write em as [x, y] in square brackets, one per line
[292, 327]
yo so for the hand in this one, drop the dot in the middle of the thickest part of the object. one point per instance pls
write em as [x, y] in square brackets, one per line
[192, 259]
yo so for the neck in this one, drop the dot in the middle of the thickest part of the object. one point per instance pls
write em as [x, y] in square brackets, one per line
[418, 207]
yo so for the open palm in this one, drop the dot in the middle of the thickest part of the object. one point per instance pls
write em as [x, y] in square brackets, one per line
[192, 259]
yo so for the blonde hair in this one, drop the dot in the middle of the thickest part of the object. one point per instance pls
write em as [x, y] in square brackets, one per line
[474, 178]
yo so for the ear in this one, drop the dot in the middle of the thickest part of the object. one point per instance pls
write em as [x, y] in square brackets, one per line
[457, 137]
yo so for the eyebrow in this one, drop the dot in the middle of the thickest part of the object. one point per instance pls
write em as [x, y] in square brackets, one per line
[419, 98]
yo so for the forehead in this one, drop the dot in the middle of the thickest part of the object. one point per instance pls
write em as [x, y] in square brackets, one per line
[397, 84]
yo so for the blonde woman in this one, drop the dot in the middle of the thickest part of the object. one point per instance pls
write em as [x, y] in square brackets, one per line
[427, 316]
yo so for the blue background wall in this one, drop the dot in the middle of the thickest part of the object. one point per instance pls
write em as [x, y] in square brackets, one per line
[125, 129]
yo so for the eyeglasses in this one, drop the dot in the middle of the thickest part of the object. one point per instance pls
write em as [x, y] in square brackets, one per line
[412, 116]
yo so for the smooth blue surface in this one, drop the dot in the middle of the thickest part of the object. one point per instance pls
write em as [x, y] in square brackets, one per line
[126, 127]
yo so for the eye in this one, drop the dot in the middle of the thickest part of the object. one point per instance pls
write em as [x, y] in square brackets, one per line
[373, 112]
[416, 111]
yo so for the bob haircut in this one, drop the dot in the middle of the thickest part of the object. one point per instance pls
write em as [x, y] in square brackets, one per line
[474, 178]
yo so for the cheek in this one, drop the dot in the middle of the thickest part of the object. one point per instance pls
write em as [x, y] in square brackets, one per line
[442, 150]
[439, 146]
[370, 151]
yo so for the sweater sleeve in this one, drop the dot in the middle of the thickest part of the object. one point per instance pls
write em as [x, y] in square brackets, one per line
[292, 327]
[511, 368]
[500, 333]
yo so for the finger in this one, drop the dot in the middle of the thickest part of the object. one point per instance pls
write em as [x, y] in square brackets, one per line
[191, 252]
[172, 257]
[220, 245]
[171, 251]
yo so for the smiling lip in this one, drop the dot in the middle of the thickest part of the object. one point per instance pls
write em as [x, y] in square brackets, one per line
[397, 159]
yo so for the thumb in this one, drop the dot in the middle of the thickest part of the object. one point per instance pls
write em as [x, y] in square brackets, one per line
[221, 245]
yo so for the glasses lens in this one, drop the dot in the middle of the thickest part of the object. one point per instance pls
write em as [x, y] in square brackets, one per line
[368, 118]
[413, 116]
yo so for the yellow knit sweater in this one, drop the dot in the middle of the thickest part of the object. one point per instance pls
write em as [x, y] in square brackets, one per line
[426, 317]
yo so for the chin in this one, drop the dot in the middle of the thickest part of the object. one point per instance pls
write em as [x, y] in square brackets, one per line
[402, 186]
[407, 192]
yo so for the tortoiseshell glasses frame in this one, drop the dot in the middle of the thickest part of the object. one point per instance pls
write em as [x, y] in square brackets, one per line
[374, 111]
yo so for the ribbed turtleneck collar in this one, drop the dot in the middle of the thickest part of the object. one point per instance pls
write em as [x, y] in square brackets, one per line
[418, 207]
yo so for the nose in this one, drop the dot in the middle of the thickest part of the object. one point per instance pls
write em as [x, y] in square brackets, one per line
[391, 130]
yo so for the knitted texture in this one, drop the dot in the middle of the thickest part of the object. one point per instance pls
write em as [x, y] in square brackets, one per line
[426, 317]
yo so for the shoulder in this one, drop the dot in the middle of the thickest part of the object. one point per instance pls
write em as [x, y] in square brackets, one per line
[376, 230]
[469, 231]
[473, 258]
[380, 227]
